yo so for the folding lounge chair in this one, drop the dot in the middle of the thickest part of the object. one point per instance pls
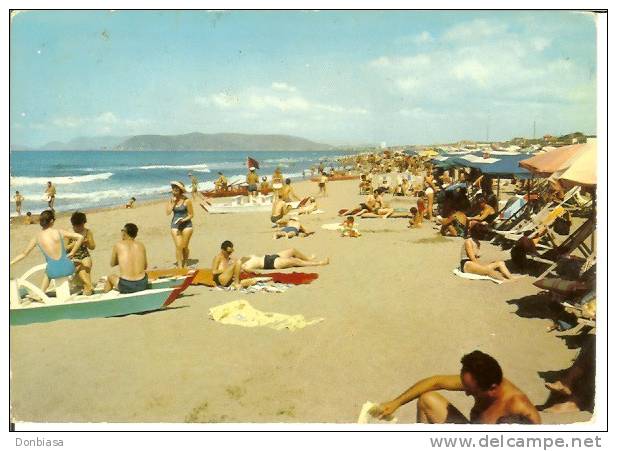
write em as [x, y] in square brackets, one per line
[575, 241]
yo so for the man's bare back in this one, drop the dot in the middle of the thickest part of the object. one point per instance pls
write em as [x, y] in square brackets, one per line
[131, 258]
[510, 402]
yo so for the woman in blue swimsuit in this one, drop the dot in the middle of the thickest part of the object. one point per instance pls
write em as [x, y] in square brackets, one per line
[51, 243]
[181, 222]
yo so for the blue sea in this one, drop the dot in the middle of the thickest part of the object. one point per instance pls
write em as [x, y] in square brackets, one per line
[93, 179]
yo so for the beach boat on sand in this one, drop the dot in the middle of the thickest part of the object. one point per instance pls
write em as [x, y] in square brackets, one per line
[100, 305]
[241, 204]
[232, 191]
[336, 177]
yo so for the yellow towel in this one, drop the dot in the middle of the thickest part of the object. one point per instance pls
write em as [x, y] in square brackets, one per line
[241, 313]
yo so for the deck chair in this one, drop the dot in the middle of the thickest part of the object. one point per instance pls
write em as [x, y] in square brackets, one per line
[575, 241]
[543, 219]
[21, 285]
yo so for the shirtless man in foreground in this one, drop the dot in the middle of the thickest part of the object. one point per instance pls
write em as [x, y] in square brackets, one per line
[289, 258]
[497, 400]
[130, 255]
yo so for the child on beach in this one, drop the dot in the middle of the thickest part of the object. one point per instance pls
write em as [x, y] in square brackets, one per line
[81, 259]
[130, 203]
[421, 204]
[349, 229]
[416, 221]
[323, 179]
[30, 219]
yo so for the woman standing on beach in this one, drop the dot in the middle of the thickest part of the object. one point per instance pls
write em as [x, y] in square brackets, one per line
[429, 190]
[181, 224]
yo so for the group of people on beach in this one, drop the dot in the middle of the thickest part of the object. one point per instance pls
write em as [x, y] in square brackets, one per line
[459, 214]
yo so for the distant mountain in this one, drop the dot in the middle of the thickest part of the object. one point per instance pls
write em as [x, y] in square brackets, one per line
[220, 141]
[86, 143]
[14, 147]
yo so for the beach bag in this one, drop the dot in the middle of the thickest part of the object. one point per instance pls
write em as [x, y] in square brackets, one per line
[562, 225]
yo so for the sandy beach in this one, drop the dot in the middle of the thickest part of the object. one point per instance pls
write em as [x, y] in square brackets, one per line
[393, 310]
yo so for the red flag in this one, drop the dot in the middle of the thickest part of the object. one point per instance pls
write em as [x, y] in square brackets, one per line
[251, 163]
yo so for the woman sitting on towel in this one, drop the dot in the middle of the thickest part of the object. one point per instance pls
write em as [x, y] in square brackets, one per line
[470, 252]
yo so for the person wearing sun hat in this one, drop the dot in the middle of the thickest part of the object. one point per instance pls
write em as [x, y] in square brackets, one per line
[181, 222]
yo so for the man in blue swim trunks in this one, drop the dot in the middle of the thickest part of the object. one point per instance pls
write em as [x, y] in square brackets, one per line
[130, 255]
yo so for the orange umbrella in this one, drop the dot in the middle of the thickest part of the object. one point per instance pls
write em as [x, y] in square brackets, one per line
[546, 163]
[582, 168]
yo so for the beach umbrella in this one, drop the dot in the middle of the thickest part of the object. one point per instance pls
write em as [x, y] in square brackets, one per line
[546, 163]
[428, 153]
[582, 168]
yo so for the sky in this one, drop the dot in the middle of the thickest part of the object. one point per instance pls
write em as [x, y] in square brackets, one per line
[337, 77]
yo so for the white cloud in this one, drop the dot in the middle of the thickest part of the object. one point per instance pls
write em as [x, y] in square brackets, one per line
[483, 62]
[287, 101]
[281, 86]
[224, 100]
[473, 70]
[423, 38]
[475, 30]
[107, 118]
[540, 43]
[67, 122]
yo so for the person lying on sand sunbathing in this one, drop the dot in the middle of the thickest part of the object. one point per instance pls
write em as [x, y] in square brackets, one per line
[309, 206]
[368, 206]
[348, 228]
[289, 258]
[291, 228]
[130, 255]
[496, 398]
[470, 252]
[226, 271]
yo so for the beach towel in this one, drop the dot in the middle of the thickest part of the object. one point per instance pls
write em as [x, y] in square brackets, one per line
[294, 278]
[241, 313]
[366, 415]
[257, 288]
[333, 226]
[470, 276]
[396, 214]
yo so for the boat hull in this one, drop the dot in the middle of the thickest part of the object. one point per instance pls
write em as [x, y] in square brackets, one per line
[241, 191]
[123, 304]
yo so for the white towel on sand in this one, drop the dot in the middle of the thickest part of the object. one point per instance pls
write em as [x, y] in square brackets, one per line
[333, 226]
[470, 276]
[366, 416]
